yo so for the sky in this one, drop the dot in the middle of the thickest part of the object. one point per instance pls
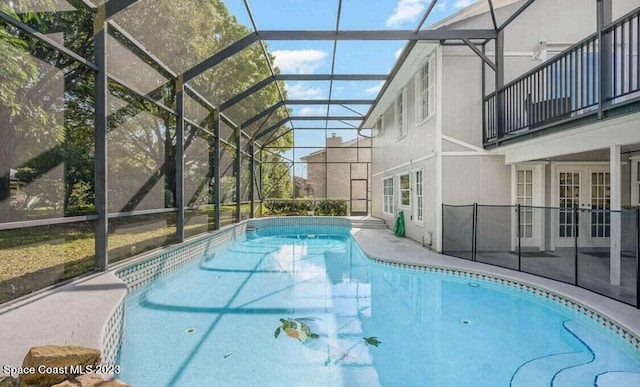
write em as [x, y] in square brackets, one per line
[352, 57]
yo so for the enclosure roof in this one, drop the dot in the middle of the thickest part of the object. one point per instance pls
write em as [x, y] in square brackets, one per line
[335, 59]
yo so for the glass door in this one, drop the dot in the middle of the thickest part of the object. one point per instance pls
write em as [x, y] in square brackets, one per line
[588, 188]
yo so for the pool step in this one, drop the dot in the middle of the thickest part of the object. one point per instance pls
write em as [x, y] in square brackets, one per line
[598, 364]
[368, 222]
[605, 360]
[617, 379]
[540, 371]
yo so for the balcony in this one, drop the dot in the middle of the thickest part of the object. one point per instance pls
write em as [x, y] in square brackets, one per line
[596, 78]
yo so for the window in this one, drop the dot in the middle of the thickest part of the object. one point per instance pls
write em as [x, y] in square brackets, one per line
[425, 90]
[419, 197]
[524, 197]
[635, 181]
[378, 130]
[405, 190]
[401, 113]
[387, 196]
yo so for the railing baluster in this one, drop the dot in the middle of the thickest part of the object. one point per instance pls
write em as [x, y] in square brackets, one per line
[582, 84]
[615, 61]
[569, 84]
[638, 52]
[630, 67]
[622, 59]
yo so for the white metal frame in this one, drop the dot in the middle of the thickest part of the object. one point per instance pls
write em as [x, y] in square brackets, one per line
[428, 92]
[400, 117]
[538, 200]
[418, 199]
[384, 195]
[635, 182]
[401, 205]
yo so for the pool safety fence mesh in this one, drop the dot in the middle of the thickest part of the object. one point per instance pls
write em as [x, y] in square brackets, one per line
[595, 249]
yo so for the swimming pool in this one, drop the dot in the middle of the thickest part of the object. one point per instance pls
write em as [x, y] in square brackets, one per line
[306, 307]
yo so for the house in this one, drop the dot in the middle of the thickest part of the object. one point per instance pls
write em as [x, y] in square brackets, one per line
[342, 170]
[443, 137]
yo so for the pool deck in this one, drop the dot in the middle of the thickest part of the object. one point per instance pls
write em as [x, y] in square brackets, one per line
[76, 313]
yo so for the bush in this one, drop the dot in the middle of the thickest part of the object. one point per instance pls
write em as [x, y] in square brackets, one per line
[328, 207]
[332, 207]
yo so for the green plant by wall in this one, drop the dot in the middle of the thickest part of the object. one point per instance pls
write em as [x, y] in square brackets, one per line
[328, 207]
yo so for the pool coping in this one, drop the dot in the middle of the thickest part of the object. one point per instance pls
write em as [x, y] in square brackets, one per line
[96, 319]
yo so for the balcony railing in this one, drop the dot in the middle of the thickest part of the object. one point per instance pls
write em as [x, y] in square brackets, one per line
[567, 87]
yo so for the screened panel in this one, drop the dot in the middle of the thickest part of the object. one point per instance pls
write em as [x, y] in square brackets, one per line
[338, 181]
[141, 155]
[457, 231]
[277, 180]
[37, 257]
[245, 179]
[317, 179]
[255, 104]
[233, 76]
[198, 167]
[198, 112]
[46, 121]
[312, 138]
[310, 155]
[190, 31]
[495, 236]
[198, 221]
[557, 263]
[596, 256]
[68, 25]
[359, 171]
[123, 64]
[227, 132]
[133, 235]
[227, 174]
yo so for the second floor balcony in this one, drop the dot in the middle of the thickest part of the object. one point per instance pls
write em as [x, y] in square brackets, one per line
[596, 78]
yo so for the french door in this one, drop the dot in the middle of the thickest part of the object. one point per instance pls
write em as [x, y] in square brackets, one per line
[587, 187]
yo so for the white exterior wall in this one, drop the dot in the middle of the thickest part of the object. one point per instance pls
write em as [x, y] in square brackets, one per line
[393, 157]
[468, 173]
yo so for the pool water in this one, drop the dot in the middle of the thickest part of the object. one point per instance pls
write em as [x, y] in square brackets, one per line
[343, 320]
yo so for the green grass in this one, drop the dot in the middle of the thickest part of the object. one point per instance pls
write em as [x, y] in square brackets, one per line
[34, 258]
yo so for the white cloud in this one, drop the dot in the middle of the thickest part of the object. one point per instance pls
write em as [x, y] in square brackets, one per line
[312, 111]
[375, 89]
[398, 52]
[405, 11]
[463, 3]
[302, 91]
[441, 6]
[299, 61]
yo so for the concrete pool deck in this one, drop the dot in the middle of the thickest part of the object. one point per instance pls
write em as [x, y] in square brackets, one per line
[76, 313]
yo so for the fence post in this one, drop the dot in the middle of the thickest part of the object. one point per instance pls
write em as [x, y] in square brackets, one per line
[519, 211]
[575, 243]
[638, 258]
[442, 228]
[474, 232]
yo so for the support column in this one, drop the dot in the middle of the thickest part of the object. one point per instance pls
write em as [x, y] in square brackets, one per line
[615, 168]
[604, 17]
[100, 140]
[180, 158]
[499, 84]
[216, 170]
[252, 194]
[238, 166]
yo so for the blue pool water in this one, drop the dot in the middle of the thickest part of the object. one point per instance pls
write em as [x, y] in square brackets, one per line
[214, 323]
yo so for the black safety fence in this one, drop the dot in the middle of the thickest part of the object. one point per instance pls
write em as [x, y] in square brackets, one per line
[595, 249]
